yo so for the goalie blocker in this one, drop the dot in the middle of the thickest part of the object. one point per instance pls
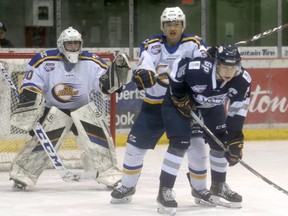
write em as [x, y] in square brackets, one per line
[29, 109]
[98, 149]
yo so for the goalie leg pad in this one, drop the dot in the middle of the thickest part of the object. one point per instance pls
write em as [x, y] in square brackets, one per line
[95, 141]
[32, 159]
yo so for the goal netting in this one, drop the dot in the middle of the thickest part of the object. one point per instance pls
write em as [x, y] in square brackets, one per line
[12, 139]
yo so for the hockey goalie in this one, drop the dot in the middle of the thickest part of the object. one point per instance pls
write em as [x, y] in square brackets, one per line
[55, 91]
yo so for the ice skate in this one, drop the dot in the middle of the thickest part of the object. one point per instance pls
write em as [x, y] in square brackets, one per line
[122, 195]
[222, 195]
[203, 197]
[18, 186]
[166, 202]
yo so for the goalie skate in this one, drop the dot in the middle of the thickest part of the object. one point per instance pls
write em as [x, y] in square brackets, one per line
[222, 195]
[18, 186]
[122, 195]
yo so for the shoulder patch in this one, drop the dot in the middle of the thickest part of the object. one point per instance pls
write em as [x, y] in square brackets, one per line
[247, 76]
[156, 49]
[194, 65]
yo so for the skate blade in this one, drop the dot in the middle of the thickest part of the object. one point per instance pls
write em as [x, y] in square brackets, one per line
[19, 188]
[204, 203]
[121, 201]
[166, 210]
[224, 203]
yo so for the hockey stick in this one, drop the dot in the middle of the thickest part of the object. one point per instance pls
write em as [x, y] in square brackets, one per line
[262, 35]
[206, 129]
[48, 147]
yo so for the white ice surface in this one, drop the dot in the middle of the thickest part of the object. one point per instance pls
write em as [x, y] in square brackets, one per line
[52, 196]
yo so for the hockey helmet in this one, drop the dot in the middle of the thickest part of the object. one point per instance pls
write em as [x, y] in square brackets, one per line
[228, 54]
[172, 14]
[70, 34]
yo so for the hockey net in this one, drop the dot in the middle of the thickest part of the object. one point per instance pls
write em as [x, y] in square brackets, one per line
[12, 139]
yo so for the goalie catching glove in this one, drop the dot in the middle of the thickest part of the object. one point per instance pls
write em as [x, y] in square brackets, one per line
[184, 105]
[29, 109]
[117, 75]
[234, 151]
[144, 78]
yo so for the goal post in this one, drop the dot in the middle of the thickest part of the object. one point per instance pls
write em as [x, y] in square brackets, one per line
[12, 139]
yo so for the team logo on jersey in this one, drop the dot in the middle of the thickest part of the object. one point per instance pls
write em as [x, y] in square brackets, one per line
[212, 101]
[155, 49]
[49, 67]
[63, 92]
[199, 88]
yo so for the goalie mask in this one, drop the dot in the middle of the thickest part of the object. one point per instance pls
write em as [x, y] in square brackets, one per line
[70, 44]
[172, 14]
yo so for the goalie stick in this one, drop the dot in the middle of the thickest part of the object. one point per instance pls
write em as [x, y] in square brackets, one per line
[262, 35]
[206, 129]
[48, 147]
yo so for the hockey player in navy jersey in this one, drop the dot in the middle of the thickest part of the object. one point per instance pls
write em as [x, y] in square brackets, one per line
[157, 53]
[204, 85]
[58, 83]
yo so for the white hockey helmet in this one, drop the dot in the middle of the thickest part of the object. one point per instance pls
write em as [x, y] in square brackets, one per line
[70, 34]
[172, 14]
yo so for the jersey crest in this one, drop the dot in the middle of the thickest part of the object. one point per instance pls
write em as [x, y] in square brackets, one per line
[63, 92]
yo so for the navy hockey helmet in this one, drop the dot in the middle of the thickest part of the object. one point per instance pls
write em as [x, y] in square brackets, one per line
[228, 54]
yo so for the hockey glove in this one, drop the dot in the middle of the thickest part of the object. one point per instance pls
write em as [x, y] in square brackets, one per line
[234, 151]
[144, 79]
[212, 51]
[184, 105]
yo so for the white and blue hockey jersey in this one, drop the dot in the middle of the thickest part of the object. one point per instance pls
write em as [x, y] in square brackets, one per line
[157, 56]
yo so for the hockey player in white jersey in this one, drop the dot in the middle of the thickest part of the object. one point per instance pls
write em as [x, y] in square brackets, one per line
[59, 83]
[157, 53]
[204, 85]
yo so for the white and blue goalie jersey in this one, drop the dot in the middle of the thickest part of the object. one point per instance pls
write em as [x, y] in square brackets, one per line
[62, 84]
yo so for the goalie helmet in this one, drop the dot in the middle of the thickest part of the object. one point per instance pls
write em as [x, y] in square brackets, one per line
[172, 14]
[70, 34]
[228, 54]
